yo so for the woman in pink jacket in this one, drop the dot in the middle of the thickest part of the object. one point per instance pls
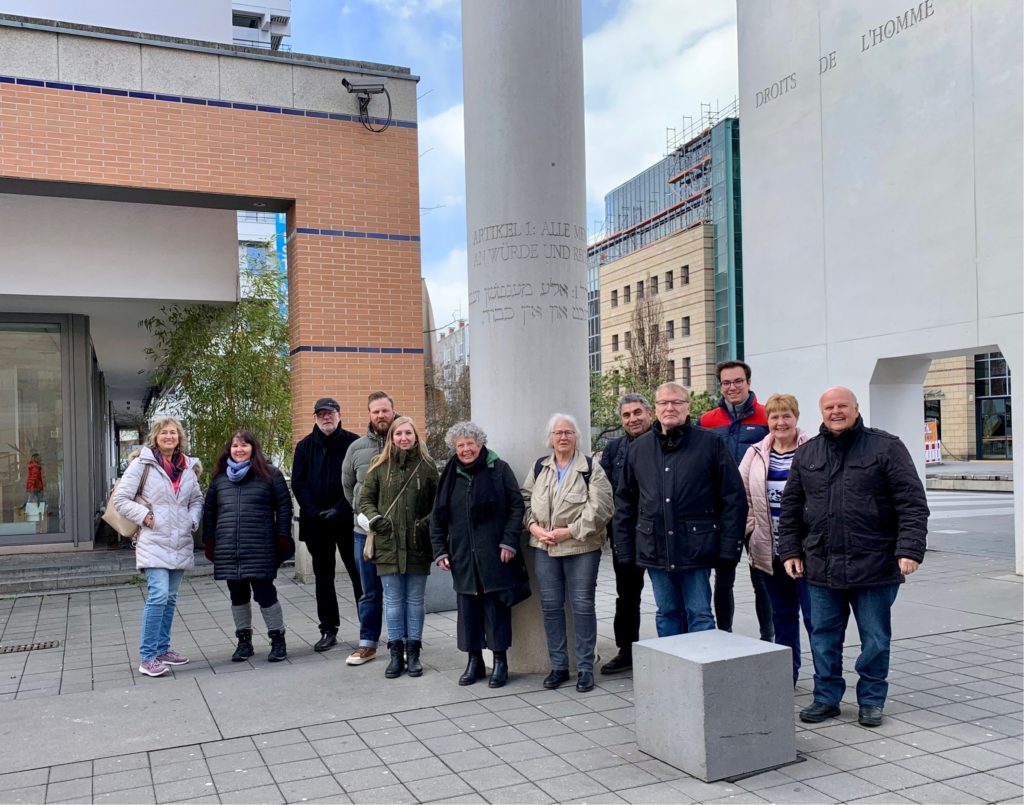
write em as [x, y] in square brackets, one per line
[765, 469]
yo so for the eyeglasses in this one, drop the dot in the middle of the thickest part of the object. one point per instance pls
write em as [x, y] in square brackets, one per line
[671, 403]
[563, 434]
[726, 383]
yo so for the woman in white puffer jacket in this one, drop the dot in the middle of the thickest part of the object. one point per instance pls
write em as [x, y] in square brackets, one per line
[168, 513]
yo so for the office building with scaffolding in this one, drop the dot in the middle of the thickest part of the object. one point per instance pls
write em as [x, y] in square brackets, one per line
[687, 205]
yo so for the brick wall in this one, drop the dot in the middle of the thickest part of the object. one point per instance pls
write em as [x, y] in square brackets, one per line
[354, 290]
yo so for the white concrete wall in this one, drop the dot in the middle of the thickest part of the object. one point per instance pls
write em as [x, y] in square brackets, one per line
[881, 197]
[104, 249]
[101, 61]
[208, 20]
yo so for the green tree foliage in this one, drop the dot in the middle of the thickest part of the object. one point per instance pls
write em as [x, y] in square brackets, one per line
[222, 368]
[447, 403]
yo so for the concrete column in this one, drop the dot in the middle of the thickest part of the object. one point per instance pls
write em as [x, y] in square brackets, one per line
[896, 402]
[526, 239]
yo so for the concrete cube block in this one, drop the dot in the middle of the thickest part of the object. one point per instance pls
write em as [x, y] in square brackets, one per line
[714, 704]
[440, 594]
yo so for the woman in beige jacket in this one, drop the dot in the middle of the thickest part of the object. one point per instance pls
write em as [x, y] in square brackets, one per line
[568, 505]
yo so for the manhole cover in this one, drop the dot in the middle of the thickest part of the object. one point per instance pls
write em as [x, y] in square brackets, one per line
[28, 646]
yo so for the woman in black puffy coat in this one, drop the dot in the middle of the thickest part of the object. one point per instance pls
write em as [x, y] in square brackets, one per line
[247, 524]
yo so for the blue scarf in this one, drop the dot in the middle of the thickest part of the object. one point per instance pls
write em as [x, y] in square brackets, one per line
[236, 470]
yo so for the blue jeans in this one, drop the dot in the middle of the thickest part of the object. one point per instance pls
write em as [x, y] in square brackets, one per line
[830, 612]
[161, 596]
[403, 605]
[577, 575]
[370, 604]
[684, 600]
[789, 599]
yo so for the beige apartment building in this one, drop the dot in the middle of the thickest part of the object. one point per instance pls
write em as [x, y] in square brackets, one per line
[679, 270]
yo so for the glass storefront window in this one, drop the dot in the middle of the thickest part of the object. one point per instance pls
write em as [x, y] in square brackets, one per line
[31, 430]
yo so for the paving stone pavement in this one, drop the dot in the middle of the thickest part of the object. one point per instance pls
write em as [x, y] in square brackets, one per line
[952, 733]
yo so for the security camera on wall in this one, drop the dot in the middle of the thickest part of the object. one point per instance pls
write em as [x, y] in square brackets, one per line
[363, 86]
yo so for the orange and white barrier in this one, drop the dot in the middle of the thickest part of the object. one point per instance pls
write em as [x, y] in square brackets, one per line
[933, 452]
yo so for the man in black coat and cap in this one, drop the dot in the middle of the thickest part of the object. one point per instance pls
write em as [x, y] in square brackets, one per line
[325, 517]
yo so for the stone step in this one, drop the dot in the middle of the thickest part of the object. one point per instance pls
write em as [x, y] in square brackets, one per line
[42, 573]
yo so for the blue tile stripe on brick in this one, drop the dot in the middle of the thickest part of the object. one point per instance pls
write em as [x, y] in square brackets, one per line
[364, 350]
[348, 233]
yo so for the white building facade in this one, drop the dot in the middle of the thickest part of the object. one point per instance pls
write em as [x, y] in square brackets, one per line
[882, 180]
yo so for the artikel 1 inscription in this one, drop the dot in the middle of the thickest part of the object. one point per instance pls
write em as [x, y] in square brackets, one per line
[520, 229]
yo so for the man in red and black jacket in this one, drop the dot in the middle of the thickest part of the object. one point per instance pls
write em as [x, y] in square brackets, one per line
[739, 419]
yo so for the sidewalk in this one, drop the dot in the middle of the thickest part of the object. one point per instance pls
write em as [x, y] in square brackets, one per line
[970, 476]
[78, 724]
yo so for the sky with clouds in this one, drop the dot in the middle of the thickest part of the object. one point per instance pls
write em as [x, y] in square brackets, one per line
[675, 54]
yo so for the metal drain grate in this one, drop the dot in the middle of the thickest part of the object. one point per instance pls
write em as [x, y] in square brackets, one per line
[28, 646]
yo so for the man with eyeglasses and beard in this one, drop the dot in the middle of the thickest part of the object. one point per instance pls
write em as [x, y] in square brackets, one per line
[681, 508]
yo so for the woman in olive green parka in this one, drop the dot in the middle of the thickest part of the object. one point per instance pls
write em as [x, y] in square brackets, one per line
[397, 498]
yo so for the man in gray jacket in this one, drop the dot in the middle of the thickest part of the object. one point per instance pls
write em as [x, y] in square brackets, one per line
[353, 471]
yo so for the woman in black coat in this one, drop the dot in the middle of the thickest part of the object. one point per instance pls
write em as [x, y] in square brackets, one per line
[475, 530]
[247, 524]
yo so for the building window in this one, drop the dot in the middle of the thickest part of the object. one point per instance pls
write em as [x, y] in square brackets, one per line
[670, 329]
[31, 430]
[669, 281]
[670, 371]
[639, 289]
[625, 294]
[615, 298]
[992, 406]
[685, 326]
[629, 340]
[654, 286]
[615, 343]
[684, 275]
[686, 372]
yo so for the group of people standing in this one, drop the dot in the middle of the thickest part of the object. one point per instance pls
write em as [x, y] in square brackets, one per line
[832, 524]
[467, 521]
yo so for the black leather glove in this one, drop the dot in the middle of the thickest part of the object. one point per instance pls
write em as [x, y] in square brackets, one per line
[381, 525]
[328, 514]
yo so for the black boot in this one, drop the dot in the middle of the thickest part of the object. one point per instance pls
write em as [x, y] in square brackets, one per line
[244, 650]
[413, 658]
[499, 675]
[397, 664]
[475, 669]
[278, 650]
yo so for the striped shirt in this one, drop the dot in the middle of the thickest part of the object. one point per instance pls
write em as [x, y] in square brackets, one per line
[778, 473]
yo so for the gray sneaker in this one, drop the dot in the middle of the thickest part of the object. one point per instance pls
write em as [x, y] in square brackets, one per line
[152, 667]
[172, 657]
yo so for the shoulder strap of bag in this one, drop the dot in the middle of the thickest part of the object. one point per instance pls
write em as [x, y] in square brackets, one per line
[404, 487]
[142, 481]
[586, 475]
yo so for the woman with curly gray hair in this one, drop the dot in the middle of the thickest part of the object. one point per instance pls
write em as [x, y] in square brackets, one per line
[475, 532]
